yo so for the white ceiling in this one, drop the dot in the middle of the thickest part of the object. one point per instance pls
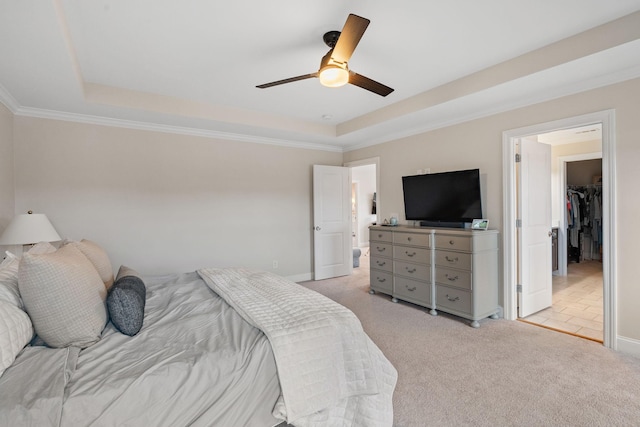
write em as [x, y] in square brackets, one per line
[191, 66]
[591, 132]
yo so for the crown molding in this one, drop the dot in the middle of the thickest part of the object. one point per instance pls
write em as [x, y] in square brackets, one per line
[565, 90]
[8, 100]
[542, 96]
[156, 127]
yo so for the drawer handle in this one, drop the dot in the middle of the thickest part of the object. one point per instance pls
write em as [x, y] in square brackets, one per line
[380, 264]
[412, 254]
[452, 299]
[380, 249]
[381, 280]
[451, 242]
[413, 270]
[408, 239]
[451, 279]
[451, 259]
[379, 236]
[411, 289]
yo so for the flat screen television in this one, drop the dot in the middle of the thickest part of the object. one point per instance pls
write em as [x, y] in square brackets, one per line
[446, 198]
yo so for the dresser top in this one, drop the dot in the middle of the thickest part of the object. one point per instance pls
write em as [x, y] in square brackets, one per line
[429, 230]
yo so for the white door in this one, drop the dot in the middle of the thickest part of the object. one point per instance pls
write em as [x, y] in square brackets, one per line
[535, 231]
[333, 255]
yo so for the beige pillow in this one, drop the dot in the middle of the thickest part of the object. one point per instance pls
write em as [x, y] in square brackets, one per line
[41, 248]
[64, 296]
[9, 273]
[98, 258]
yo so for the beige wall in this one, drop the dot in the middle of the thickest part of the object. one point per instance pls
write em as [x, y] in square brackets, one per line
[169, 203]
[478, 144]
[7, 195]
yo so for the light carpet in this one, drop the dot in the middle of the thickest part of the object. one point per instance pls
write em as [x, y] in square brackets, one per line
[505, 373]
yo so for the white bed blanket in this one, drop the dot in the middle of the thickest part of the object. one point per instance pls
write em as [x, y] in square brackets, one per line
[330, 371]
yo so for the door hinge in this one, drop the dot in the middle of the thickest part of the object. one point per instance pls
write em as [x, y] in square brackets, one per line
[518, 158]
[519, 289]
[518, 223]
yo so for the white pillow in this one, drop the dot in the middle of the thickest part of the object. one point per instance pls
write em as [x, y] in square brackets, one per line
[64, 296]
[9, 280]
[16, 331]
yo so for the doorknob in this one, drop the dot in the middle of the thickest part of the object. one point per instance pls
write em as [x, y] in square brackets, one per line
[550, 233]
[318, 228]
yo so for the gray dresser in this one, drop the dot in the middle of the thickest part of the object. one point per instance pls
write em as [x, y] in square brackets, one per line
[451, 270]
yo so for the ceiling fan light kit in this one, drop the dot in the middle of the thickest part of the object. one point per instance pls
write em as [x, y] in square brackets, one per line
[333, 76]
[334, 70]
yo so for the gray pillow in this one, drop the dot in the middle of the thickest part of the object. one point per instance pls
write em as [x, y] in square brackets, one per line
[126, 300]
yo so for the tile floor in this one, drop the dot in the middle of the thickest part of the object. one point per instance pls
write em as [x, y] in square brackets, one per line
[577, 302]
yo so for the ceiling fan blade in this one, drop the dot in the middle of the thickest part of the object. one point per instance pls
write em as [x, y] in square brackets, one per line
[349, 37]
[289, 80]
[368, 84]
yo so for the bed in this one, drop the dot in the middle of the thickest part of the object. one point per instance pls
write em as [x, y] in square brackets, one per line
[217, 347]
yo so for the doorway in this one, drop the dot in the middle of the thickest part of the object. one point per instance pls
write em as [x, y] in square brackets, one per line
[577, 280]
[365, 202]
[510, 198]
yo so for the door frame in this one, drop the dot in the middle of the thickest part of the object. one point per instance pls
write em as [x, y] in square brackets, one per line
[355, 192]
[562, 224]
[509, 138]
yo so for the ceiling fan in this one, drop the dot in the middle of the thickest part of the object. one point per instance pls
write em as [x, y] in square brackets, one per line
[334, 71]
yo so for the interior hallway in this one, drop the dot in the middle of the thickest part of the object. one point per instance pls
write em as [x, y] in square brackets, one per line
[577, 302]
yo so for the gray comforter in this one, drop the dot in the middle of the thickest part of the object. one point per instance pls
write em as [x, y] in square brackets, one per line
[195, 362]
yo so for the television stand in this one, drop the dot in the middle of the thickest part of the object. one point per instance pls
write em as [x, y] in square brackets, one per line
[444, 224]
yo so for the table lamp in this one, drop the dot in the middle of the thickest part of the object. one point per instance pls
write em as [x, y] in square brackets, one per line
[27, 229]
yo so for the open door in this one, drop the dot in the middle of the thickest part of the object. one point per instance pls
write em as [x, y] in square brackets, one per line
[535, 231]
[333, 255]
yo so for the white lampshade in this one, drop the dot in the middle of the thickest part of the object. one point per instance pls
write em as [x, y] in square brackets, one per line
[29, 228]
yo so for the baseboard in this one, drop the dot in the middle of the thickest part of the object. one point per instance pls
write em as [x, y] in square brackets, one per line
[301, 277]
[628, 346]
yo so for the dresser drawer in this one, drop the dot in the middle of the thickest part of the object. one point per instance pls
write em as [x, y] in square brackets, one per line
[381, 281]
[380, 263]
[453, 259]
[456, 300]
[406, 253]
[381, 249]
[412, 290]
[380, 236]
[415, 271]
[458, 278]
[413, 239]
[457, 243]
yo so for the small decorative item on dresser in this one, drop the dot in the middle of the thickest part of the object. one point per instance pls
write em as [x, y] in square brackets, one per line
[480, 224]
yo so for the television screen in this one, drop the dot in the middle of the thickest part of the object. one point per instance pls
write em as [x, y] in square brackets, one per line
[443, 197]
